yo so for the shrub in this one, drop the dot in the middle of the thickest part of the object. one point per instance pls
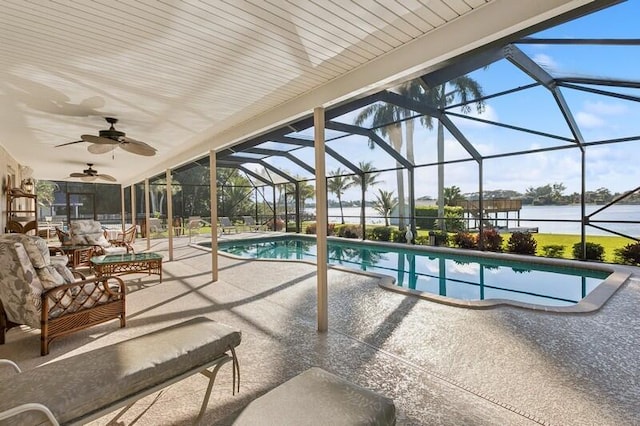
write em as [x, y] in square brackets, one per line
[349, 231]
[442, 238]
[398, 236]
[279, 224]
[522, 243]
[594, 251]
[553, 250]
[492, 240]
[422, 240]
[380, 233]
[465, 240]
[311, 228]
[629, 254]
[426, 217]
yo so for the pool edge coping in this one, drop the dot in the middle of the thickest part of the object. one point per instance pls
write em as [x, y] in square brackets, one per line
[593, 302]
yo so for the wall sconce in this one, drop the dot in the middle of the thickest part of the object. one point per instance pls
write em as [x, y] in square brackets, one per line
[28, 185]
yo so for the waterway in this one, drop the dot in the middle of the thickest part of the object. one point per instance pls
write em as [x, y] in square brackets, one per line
[548, 219]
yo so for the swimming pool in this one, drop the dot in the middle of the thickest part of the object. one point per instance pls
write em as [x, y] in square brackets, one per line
[448, 275]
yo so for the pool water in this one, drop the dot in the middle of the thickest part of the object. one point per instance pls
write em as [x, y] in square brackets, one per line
[454, 276]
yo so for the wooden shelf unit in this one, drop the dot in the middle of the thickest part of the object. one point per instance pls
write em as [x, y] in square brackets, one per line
[22, 212]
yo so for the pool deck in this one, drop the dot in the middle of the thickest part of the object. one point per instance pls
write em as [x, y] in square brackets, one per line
[441, 364]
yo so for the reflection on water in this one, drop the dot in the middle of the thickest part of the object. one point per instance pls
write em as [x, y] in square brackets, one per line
[458, 277]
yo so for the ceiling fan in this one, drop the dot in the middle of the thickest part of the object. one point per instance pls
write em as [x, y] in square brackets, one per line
[111, 138]
[91, 174]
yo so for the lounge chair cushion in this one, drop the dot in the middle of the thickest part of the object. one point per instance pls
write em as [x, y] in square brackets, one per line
[317, 397]
[81, 384]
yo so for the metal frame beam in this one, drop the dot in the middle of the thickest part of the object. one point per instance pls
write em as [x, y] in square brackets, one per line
[517, 57]
[373, 136]
[287, 155]
[405, 102]
[309, 144]
[236, 159]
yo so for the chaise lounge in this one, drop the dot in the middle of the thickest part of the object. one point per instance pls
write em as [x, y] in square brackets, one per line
[84, 387]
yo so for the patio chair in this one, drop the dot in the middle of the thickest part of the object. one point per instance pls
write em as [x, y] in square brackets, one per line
[46, 295]
[250, 223]
[194, 223]
[90, 233]
[126, 238]
[226, 225]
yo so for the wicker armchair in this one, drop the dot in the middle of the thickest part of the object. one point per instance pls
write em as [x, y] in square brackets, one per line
[126, 238]
[39, 293]
[90, 232]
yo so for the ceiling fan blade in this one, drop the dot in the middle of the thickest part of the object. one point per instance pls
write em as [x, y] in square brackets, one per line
[100, 148]
[106, 177]
[138, 148]
[68, 143]
[88, 178]
[77, 175]
[99, 140]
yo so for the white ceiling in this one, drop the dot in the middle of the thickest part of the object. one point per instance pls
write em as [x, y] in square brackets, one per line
[187, 76]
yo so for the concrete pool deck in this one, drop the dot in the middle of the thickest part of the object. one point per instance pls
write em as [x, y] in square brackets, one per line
[441, 364]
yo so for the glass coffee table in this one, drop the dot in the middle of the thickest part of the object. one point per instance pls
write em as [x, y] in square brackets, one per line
[131, 263]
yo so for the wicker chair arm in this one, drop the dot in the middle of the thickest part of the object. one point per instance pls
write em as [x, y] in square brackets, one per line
[71, 294]
[79, 274]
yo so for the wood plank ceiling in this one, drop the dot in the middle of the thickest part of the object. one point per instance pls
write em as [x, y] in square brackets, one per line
[179, 73]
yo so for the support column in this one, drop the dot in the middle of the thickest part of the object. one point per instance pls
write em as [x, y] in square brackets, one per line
[123, 213]
[170, 212]
[321, 219]
[147, 213]
[214, 215]
[133, 204]
[412, 202]
[583, 209]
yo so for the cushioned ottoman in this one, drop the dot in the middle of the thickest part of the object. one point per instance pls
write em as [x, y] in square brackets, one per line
[317, 397]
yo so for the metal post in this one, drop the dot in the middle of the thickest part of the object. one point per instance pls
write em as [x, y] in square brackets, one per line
[275, 207]
[170, 213]
[214, 215]
[412, 202]
[133, 204]
[298, 222]
[480, 206]
[321, 219]
[147, 213]
[362, 203]
[583, 210]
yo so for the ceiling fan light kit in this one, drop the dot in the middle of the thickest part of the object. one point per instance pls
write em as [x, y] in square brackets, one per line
[111, 138]
[92, 174]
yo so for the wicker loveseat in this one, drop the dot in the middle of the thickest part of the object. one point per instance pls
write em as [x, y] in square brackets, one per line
[39, 293]
[90, 232]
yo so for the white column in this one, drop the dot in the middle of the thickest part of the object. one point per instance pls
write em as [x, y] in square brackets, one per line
[321, 219]
[214, 215]
[170, 213]
[123, 213]
[133, 204]
[147, 213]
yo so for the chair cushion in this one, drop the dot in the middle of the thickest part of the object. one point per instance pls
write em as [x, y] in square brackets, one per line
[317, 397]
[36, 248]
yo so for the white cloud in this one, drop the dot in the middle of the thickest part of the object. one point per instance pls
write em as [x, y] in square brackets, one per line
[589, 121]
[545, 61]
[605, 108]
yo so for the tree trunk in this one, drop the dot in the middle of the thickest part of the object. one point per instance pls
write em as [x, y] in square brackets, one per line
[341, 212]
[395, 135]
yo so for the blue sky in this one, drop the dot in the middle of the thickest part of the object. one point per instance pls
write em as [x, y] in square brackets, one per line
[599, 117]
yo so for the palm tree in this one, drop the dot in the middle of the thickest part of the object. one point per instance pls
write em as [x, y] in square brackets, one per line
[381, 114]
[462, 89]
[45, 190]
[158, 192]
[337, 185]
[364, 181]
[385, 203]
[452, 194]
